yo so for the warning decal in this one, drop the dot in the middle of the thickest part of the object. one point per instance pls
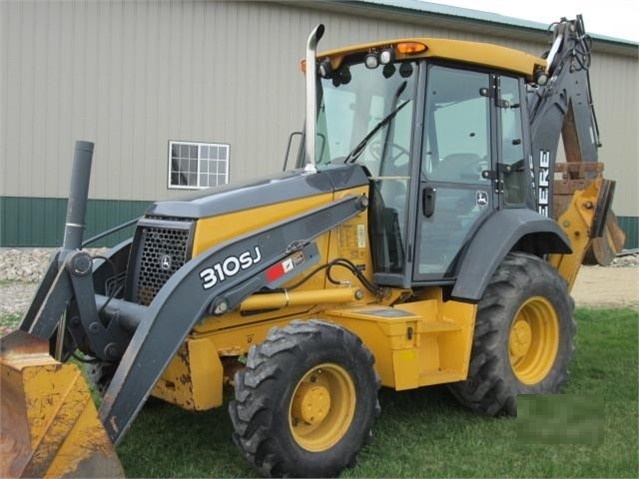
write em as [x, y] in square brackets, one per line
[278, 270]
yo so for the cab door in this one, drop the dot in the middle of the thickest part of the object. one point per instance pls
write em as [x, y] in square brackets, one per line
[513, 172]
[456, 190]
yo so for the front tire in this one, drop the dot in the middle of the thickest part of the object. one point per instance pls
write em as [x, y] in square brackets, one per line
[306, 402]
[523, 340]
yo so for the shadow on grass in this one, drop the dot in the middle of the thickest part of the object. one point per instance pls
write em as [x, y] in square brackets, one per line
[166, 441]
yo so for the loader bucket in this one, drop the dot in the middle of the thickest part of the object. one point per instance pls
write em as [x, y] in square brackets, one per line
[49, 426]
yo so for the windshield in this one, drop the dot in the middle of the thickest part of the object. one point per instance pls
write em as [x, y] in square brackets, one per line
[365, 116]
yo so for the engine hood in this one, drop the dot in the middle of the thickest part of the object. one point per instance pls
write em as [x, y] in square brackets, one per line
[278, 188]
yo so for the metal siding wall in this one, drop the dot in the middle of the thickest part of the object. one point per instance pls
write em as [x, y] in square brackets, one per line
[4, 94]
[614, 83]
[40, 221]
[133, 75]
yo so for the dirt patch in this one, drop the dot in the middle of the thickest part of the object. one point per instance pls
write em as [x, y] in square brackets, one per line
[607, 287]
[596, 286]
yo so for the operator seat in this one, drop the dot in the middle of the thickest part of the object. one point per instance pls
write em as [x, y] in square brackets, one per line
[459, 168]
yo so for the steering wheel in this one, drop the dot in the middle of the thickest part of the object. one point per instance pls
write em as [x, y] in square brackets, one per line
[396, 151]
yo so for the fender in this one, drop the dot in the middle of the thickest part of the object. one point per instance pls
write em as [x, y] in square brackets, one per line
[528, 230]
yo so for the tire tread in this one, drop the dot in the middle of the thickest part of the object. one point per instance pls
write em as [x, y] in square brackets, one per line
[488, 389]
[255, 389]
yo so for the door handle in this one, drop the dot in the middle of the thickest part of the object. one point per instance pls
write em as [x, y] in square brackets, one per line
[428, 201]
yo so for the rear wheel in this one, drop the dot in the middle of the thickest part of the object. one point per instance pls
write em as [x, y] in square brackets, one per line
[524, 337]
[306, 402]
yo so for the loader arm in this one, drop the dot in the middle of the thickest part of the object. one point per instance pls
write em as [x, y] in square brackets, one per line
[190, 294]
[65, 419]
[140, 339]
[48, 422]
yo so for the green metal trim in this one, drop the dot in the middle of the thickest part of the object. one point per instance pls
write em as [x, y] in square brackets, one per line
[39, 222]
[630, 226]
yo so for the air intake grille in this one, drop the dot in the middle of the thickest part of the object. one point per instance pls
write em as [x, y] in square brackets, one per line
[162, 252]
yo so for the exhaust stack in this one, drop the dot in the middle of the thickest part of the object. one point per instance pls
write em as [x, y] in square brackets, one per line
[78, 194]
[311, 96]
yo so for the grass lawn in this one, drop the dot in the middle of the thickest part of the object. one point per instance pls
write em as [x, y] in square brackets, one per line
[425, 433]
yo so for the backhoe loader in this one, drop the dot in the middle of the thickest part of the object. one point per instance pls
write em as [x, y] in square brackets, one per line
[413, 244]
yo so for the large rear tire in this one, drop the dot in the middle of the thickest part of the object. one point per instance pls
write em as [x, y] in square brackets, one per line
[306, 401]
[524, 337]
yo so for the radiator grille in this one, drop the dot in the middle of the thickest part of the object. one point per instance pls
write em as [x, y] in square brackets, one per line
[162, 252]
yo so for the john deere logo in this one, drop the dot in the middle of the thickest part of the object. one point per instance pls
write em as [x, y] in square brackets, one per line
[481, 198]
[165, 262]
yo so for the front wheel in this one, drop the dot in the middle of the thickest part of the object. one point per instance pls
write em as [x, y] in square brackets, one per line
[306, 402]
[524, 337]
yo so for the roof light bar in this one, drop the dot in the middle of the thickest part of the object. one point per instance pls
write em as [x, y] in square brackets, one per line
[409, 48]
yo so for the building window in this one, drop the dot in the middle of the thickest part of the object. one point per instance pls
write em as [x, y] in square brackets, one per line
[198, 165]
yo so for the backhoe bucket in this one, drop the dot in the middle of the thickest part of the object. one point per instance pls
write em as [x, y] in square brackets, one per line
[49, 426]
[605, 248]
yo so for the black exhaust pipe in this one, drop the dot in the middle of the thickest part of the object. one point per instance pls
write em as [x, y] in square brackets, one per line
[78, 196]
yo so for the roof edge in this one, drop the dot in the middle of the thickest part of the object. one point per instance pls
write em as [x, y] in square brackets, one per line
[419, 6]
[463, 19]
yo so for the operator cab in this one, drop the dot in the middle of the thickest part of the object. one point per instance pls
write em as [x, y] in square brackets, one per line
[444, 145]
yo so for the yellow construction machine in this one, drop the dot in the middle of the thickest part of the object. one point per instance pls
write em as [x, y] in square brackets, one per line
[414, 244]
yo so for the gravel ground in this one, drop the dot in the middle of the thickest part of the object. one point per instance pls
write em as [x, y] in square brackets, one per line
[616, 285]
[20, 272]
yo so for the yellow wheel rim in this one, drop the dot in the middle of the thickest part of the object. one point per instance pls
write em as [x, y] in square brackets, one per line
[322, 407]
[534, 340]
